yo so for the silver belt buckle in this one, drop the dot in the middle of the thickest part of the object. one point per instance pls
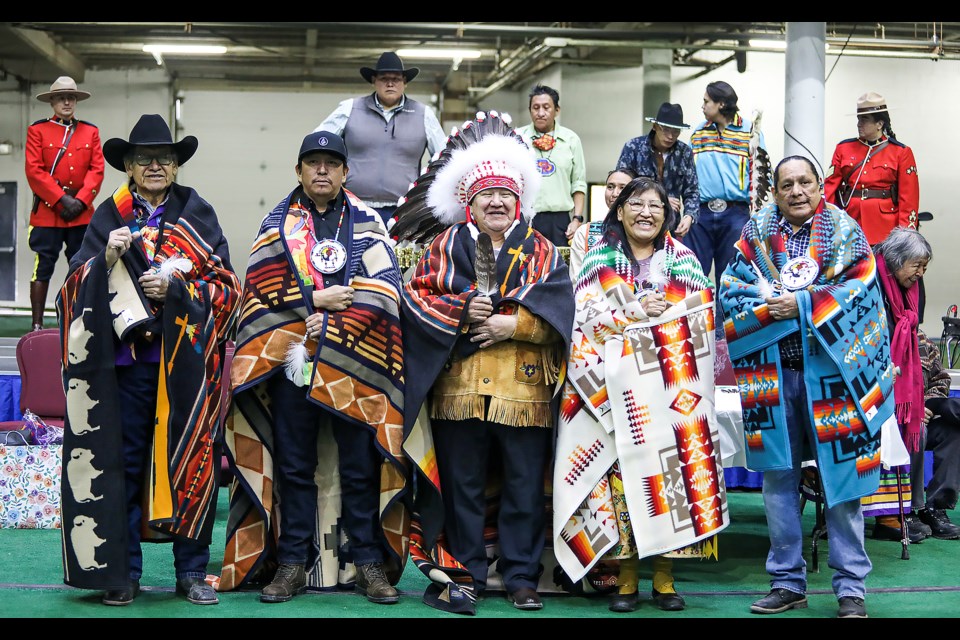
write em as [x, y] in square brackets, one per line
[717, 205]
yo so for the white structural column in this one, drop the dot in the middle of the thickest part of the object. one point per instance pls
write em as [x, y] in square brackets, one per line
[656, 79]
[803, 112]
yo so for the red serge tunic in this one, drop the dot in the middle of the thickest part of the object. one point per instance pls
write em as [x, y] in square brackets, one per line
[80, 169]
[877, 213]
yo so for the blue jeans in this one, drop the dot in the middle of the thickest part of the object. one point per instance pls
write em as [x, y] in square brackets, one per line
[781, 500]
[712, 239]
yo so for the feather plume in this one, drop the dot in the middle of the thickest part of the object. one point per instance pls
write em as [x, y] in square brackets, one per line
[766, 289]
[295, 361]
[760, 169]
[658, 270]
[420, 219]
[485, 265]
[168, 266]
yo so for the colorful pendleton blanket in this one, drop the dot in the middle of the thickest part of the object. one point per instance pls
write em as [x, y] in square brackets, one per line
[640, 390]
[357, 374]
[848, 375]
[94, 307]
[531, 273]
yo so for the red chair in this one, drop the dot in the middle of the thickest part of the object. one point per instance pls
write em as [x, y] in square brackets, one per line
[41, 378]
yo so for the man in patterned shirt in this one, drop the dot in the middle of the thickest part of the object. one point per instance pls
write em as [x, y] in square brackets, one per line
[660, 154]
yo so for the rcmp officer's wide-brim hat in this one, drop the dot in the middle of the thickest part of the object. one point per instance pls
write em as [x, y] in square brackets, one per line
[389, 61]
[60, 86]
[150, 131]
[669, 115]
[871, 102]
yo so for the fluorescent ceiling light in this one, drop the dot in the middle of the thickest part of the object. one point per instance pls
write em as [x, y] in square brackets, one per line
[768, 44]
[451, 54]
[182, 49]
[203, 49]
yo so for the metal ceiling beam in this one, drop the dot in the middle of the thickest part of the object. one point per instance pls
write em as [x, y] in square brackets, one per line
[51, 51]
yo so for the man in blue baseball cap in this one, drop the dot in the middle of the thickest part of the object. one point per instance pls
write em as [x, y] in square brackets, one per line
[318, 395]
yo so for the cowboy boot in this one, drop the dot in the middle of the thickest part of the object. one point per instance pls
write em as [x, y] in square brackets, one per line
[38, 300]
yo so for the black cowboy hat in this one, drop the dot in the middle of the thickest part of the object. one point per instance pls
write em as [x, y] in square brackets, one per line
[669, 115]
[150, 131]
[389, 61]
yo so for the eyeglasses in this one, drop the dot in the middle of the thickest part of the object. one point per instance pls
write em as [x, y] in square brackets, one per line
[390, 79]
[163, 159]
[639, 205]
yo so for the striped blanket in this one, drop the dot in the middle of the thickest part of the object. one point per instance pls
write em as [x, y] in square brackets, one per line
[640, 391]
[847, 366]
[96, 306]
[357, 375]
[531, 273]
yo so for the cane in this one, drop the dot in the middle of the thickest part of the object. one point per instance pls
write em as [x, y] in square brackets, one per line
[905, 537]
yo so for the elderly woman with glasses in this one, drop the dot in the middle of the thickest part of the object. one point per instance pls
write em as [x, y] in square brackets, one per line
[638, 467]
[144, 315]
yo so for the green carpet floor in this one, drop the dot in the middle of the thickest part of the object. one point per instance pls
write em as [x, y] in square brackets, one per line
[925, 586]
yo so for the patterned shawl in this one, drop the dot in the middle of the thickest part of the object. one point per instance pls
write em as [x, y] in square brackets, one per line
[849, 379]
[194, 321]
[660, 373]
[531, 273]
[357, 375]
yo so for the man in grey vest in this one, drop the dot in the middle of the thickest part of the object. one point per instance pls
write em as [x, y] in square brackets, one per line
[386, 134]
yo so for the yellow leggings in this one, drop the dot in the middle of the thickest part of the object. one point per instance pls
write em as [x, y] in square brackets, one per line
[629, 579]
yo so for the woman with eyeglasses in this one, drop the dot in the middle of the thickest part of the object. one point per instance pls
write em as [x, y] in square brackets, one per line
[145, 314]
[638, 468]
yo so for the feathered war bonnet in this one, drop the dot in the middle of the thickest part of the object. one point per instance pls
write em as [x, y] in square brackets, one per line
[497, 160]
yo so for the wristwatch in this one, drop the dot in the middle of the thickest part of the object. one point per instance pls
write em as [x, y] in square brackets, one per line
[577, 218]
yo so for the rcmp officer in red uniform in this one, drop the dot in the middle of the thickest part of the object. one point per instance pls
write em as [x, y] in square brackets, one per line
[64, 167]
[873, 177]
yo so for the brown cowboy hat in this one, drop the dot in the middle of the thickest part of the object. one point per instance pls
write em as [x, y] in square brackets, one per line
[389, 61]
[62, 85]
[150, 131]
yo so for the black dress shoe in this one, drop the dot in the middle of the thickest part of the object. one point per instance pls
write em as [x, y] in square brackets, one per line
[122, 597]
[669, 601]
[624, 602]
[883, 532]
[197, 591]
[779, 600]
[525, 598]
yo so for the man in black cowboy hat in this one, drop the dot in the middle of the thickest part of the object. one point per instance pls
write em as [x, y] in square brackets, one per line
[661, 155]
[145, 313]
[386, 134]
[64, 167]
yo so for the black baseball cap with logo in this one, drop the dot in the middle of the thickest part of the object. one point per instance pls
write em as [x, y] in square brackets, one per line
[323, 141]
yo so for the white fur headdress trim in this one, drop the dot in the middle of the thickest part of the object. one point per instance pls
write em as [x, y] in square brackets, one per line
[494, 155]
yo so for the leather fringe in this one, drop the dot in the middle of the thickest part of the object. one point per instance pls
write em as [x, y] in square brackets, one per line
[509, 412]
